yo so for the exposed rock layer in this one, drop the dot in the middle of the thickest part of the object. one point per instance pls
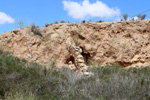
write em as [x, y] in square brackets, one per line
[124, 43]
[76, 59]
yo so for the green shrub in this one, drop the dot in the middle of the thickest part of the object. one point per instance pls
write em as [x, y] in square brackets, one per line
[36, 30]
[56, 22]
[100, 21]
[83, 21]
[141, 17]
[133, 19]
[21, 96]
[20, 80]
[62, 21]
[46, 25]
[125, 16]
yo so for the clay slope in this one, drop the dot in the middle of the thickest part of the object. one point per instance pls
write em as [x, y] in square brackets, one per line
[124, 43]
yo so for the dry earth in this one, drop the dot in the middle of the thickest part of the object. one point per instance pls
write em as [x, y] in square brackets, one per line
[124, 43]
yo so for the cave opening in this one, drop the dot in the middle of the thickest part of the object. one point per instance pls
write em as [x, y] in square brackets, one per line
[71, 58]
[86, 56]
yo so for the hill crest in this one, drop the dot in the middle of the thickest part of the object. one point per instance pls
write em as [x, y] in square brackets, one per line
[124, 43]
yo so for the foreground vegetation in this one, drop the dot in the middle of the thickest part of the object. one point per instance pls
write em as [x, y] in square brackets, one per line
[20, 80]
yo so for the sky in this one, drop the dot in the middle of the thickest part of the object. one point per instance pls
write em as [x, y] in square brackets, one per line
[43, 12]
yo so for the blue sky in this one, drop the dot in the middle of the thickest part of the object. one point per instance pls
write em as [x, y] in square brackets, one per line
[49, 11]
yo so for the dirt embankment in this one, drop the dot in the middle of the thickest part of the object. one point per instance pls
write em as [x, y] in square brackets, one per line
[124, 43]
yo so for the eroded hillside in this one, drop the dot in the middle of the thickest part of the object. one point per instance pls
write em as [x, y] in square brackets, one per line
[124, 43]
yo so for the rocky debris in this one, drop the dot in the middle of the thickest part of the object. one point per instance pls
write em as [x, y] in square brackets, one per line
[88, 74]
[78, 58]
[107, 43]
[71, 65]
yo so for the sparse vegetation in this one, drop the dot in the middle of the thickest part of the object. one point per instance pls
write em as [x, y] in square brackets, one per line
[19, 24]
[46, 24]
[83, 21]
[141, 17]
[100, 21]
[124, 46]
[62, 21]
[56, 22]
[20, 80]
[125, 16]
[133, 19]
[90, 21]
[35, 29]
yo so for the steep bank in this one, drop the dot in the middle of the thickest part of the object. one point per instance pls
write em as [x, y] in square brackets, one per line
[124, 43]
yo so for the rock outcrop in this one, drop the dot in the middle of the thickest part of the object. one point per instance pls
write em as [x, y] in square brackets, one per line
[77, 62]
[124, 43]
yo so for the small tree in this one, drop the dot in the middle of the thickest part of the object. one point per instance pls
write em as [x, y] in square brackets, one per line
[100, 21]
[143, 17]
[125, 16]
[56, 22]
[19, 24]
[133, 19]
[46, 24]
[62, 21]
[139, 17]
[36, 30]
[83, 21]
